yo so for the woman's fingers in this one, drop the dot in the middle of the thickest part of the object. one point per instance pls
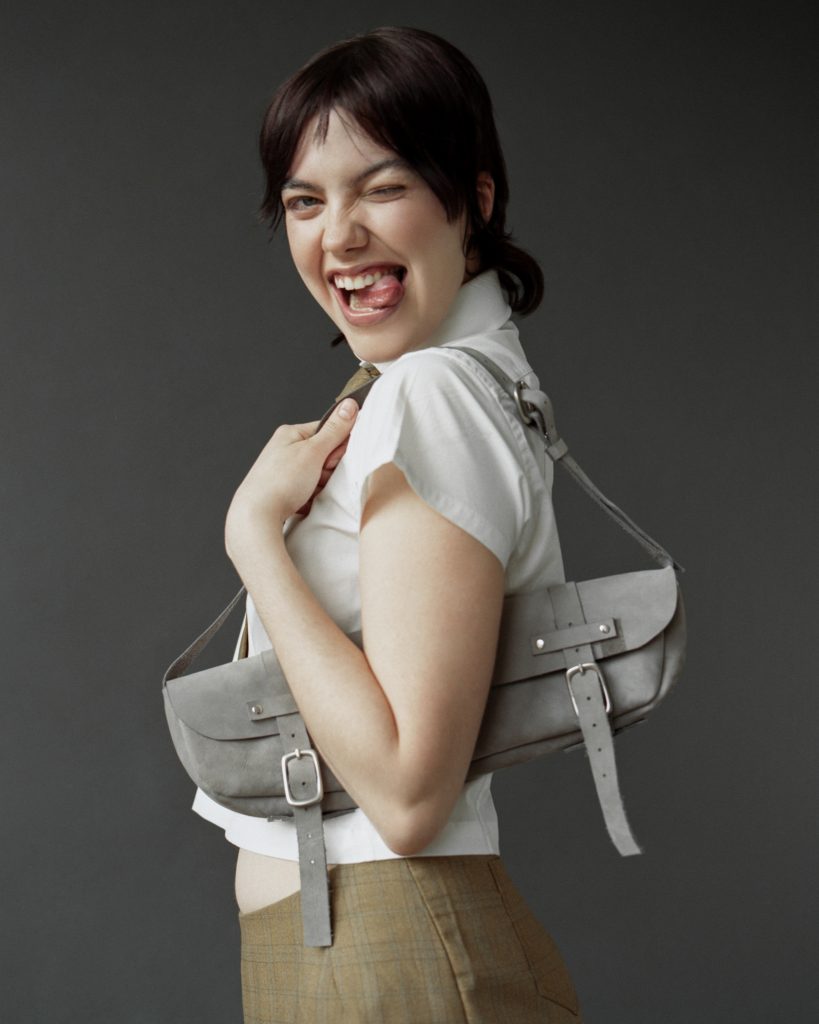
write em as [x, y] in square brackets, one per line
[337, 428]
[334, 457]
[293, 467]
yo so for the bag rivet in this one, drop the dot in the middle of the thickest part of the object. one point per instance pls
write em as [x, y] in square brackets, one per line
[604, 628]
[256, 709]
[540, 644]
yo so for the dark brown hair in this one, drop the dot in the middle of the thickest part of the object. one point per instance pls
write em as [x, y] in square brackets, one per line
[418, 95]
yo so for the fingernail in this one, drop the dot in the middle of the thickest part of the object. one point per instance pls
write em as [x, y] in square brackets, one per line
[347, 408]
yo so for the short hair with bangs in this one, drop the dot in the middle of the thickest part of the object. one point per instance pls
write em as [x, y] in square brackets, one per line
[419, 96]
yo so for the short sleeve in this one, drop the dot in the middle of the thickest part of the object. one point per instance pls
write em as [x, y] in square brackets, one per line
[447, 431]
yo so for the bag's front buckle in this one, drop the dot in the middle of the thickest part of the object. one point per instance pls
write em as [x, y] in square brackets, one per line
[295, 755]
[587, 666]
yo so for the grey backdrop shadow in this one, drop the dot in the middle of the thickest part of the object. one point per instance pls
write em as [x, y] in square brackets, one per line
[660, 161]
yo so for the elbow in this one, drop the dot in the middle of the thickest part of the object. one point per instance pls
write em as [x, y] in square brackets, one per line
[410, 831]
[411, 809]
[407, 844]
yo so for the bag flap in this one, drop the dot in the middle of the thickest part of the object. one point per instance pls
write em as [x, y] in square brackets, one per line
[235, 701]
[631, 608]
[643, 603]
[241, 699]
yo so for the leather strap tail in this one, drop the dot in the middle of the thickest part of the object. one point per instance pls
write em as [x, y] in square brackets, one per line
[304, 790]
[592, 705]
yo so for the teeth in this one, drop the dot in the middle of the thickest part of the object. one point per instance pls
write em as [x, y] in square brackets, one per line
[351, 284]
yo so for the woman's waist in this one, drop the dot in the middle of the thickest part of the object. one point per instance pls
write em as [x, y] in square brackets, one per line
[262, 880]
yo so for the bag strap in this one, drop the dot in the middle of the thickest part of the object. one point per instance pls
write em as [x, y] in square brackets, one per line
[584, 678]
[180, 665]
[536, 410]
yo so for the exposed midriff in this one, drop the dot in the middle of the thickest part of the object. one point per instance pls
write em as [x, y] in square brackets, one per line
[262, 880]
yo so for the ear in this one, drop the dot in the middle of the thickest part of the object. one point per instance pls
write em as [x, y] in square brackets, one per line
[486, 194]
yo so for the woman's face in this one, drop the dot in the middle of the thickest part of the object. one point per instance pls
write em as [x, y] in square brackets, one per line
[371, 241]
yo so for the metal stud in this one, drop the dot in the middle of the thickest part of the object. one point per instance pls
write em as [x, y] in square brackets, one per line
[604, 628]
[540, 644]
[256, 709]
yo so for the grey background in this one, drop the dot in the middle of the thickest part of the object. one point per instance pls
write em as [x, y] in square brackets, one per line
[661, 167]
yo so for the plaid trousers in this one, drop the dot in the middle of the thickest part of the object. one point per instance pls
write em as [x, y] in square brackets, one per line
[424, 940]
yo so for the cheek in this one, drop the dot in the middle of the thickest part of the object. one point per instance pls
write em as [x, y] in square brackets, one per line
[296, 243]
[450, 262]
[302, 253]
[439, 244]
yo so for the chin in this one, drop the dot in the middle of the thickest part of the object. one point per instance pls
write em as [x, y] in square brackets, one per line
[372, 349]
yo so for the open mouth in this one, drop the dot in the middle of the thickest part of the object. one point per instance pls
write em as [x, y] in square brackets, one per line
[380, 287]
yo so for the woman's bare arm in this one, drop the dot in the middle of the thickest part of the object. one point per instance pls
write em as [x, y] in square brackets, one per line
[398, 722]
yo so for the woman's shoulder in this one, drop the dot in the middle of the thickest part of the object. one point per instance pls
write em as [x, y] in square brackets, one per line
[447, 424]
[446, 373]
[436, 365]
[433, 392]
[437, 399]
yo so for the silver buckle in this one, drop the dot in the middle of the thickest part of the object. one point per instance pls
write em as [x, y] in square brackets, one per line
[295, 755]
[587, 666]
[530, 414]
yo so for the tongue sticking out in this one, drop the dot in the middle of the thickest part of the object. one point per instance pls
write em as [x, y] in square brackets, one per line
[387, 291]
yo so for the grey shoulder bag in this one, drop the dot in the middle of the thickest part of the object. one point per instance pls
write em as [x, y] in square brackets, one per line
[576, 663]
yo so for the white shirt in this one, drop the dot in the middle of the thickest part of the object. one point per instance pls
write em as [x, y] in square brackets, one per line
[459, 441]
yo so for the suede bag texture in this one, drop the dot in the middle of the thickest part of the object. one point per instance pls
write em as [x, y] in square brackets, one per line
[224, 720]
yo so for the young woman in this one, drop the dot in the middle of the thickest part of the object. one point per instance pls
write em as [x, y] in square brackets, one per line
[408, 519]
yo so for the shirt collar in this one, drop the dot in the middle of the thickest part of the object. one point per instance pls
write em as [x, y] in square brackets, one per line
[480, 306]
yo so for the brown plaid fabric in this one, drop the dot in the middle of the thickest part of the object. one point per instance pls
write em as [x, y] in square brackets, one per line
[424, 940]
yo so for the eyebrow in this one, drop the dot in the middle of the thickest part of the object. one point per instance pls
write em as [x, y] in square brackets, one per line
[382, 165]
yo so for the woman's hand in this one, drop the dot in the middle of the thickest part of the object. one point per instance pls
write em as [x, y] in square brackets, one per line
[291, 470]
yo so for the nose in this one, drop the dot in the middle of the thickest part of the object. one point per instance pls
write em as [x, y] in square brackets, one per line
[343, 230]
